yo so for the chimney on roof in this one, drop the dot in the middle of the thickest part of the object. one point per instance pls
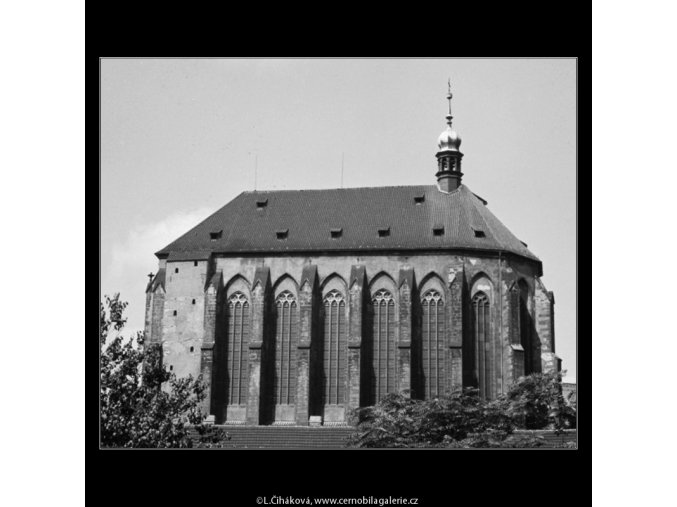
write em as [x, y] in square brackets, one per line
[449, 157]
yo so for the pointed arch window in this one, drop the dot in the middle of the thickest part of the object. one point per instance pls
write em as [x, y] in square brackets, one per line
[335, 346]
[238, 344]
[524, 323]
[482, 333]
[521, 328]
[286, 341]
[384, 352]
[514, 315]
[432, 343]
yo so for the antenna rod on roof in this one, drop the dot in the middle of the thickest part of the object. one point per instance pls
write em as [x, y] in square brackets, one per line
[341, 169]
[256, 168]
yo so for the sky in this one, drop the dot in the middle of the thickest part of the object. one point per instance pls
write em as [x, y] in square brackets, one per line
[182, 137]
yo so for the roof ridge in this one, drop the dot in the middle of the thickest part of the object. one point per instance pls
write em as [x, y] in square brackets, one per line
[333, 188]
[201, 222]
[485, 209]
[476, 202]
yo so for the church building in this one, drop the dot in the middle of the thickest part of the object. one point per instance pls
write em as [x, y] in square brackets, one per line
[303, 304]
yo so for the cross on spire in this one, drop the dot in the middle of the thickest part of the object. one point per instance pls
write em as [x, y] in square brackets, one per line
[449, 96]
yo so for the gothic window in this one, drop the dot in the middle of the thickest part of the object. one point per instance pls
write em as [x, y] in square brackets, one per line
[482, 340]
[384, 352]
[514, 316]
[525, 331]
[334, 352]
[433, 332]
[238, 353]
[286, 341]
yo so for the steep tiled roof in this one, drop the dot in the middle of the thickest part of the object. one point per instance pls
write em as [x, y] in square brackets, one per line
[347, 220]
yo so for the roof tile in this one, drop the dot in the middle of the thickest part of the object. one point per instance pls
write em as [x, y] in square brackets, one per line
[310, 215]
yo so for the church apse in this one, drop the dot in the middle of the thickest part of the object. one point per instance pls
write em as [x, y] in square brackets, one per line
[322, 311]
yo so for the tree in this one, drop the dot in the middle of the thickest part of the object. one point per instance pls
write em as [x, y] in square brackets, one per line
[537, 401]
[460, 419]
[142, 404]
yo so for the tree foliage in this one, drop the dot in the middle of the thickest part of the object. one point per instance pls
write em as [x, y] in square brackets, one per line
[463, 420]
[537, 402]
[460, 419]
[141, 403]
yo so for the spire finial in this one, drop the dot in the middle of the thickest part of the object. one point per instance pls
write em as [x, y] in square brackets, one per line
[449, 96]
[449, 157]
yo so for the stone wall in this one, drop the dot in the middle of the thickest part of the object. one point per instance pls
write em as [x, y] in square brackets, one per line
[186, 313]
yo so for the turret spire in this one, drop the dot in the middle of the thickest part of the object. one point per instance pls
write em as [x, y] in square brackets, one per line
[449, 156]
